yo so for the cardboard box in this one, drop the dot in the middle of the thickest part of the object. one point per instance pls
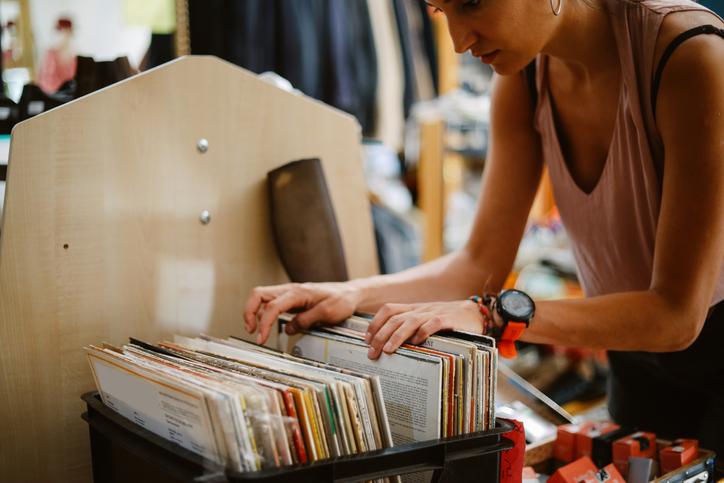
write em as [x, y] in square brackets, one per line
[580, 470]
[584, 437]
[564, 449]
[609, 474]
[603, 446]
[681, 452]
[639, 444]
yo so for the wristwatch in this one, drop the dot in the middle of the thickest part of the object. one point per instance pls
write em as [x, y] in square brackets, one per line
[516, 309]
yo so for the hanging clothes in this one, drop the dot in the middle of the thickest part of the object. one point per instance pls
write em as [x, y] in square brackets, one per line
[57, 68]
[352, 81]
[161, 50]
[301, 42]
[398, 244]
[408, 68]
[428, 39]
[424, 87]
[252, 36]
[59, 63]
[324, 48]
[390, 119]
[209, 28]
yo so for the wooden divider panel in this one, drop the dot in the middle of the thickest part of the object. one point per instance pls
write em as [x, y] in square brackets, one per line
[101, 237]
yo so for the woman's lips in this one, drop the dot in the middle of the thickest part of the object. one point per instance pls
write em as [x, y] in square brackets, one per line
[490, 57]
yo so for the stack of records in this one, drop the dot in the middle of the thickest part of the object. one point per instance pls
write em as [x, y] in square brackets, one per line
[242, 405]
[249, 407]
[444, 387]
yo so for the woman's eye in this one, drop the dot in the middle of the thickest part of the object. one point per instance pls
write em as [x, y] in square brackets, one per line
[470, 3]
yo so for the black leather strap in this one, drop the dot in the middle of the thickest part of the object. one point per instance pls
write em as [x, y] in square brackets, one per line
[680, 39]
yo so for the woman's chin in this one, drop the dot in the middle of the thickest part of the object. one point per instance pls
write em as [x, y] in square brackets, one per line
[507, 68]
[503, 68]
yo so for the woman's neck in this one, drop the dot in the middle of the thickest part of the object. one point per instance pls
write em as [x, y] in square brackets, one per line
[584, 39]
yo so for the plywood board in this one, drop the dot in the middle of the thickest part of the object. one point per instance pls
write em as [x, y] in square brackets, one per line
[101, 237]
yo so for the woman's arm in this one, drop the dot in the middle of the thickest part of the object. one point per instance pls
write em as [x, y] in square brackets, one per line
[690, 238]
[670, 314]
[509, 185]
[511, 177]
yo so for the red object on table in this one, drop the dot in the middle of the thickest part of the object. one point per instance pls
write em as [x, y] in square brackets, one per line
[639, 444]
[564, 448]
[609, 474]
[580, 470]
[513, 460]
[681, 452]
[584, 438]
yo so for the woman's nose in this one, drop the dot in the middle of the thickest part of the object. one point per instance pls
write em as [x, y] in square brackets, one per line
[463, 38]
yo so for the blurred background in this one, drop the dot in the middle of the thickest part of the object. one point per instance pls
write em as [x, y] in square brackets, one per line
[423, 110]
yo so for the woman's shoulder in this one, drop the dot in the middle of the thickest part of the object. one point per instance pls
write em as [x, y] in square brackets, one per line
[652, 25]
[701, 49]
[663, 7]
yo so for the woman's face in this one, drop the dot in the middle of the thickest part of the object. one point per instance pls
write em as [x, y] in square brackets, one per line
[507, 34]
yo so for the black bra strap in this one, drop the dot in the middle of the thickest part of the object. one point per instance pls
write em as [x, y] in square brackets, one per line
[680, 39]
[529, 74]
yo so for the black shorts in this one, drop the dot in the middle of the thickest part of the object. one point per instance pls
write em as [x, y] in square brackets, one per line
[674, 394]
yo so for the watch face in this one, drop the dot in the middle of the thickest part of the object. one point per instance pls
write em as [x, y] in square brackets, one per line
[517, 304]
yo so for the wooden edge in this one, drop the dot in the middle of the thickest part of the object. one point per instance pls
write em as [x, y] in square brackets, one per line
[536, 453]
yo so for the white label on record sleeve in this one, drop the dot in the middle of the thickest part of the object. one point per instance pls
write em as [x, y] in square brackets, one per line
[161, 409]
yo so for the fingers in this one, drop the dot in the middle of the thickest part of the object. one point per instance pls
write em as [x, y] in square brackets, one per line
[381, 318]
[403, 333]
[382, 336]
[272, 310]
[430, 327]
[321, 312]
[259, 296]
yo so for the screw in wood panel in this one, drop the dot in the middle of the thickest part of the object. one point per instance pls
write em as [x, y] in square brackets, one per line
[205, 217]
[202, 145]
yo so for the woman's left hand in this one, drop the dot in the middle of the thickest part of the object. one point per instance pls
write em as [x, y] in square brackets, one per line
[394, 324]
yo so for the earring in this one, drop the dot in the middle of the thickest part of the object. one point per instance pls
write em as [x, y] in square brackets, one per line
[556, 11]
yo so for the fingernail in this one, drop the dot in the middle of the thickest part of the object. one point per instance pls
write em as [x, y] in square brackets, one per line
[258, 339]
[388, 347]
[371, 353]
[368, 337]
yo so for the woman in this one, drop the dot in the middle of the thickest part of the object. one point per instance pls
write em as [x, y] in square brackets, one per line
[628, 115]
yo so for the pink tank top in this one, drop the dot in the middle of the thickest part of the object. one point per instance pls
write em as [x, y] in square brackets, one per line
[613, 228]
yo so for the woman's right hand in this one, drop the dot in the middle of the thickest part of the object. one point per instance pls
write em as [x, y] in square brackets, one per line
[320, 302]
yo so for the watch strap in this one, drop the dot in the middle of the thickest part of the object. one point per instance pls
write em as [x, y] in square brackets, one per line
[511, 333]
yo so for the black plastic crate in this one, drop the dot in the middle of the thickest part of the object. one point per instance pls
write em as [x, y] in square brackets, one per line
[122, 451]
